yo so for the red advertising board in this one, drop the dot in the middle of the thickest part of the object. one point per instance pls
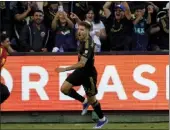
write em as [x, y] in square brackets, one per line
[134, 82]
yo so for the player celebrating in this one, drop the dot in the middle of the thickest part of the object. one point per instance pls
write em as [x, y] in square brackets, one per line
[4, 48]
[85, 74]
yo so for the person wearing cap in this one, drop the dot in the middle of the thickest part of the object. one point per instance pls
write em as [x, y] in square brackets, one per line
[118, 26]
[162, 29]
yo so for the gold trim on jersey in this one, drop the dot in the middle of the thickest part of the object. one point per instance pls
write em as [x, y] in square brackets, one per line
[87, 44]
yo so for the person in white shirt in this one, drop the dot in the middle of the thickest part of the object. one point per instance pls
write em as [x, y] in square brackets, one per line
[98, 29]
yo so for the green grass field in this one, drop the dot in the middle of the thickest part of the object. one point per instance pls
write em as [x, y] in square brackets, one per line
[109, 126]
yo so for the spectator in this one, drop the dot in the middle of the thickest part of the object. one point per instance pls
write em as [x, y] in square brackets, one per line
[155, 11]
[6, 18]
[163, 29]
[22, 12]
[50, 9]
[119, 26]
[98, 29]
[140, 36]
[35, 36]
[65, 33]
[80, 8]
[154, 39]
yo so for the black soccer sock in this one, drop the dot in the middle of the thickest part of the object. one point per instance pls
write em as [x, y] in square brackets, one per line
[72, 93]
[97, 108]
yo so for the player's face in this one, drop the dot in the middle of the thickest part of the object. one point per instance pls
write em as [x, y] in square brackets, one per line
[38, 17]
[6, 43]
[82, 33]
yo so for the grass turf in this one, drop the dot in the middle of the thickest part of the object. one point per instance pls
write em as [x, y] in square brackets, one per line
[88, 126]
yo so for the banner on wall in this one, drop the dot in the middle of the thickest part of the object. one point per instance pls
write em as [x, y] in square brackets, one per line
[134, 82]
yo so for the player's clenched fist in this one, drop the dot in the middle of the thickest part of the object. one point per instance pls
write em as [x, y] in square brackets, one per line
[60, 69]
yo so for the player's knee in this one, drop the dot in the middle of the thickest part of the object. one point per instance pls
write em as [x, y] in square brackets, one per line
[64, 90]
[94, 104]
[91, 100]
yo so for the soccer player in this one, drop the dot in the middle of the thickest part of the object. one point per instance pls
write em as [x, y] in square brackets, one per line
[4, 49]
[85, 74]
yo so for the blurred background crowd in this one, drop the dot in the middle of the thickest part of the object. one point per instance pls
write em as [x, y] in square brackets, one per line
[116, 26]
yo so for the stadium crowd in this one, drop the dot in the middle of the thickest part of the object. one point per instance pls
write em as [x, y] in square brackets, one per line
[116, 26]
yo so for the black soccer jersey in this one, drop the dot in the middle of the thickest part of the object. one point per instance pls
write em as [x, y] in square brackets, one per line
[87, 75]
[86, 49]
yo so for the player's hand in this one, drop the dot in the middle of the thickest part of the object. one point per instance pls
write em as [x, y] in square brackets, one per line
[60, 69]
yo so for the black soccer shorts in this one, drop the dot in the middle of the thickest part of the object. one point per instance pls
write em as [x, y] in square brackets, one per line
[85, 78]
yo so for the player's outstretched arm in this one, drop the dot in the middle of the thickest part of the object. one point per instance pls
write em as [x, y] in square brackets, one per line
[80, 64]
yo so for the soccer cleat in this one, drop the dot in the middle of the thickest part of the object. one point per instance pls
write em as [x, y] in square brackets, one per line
[100, 124]
[85, 108]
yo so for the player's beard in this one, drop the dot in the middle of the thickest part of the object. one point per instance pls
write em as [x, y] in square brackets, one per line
[81, 37]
